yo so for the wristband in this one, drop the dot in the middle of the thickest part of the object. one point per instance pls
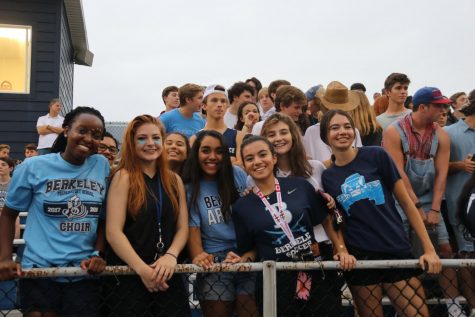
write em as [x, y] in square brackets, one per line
[418, 205]
[435, 210]
[173, 255]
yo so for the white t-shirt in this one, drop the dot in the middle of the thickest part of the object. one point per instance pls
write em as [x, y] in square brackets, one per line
[316, 148]
[265, 115]
[256, 129]
[230, 119]
[47, 140]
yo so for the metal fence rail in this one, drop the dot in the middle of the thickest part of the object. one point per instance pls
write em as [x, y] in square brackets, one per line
[268, 276]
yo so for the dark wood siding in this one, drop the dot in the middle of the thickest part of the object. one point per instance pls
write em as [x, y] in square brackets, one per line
[66, 65]
[51, 69]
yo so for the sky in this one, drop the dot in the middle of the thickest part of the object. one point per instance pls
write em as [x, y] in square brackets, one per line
[140, 46]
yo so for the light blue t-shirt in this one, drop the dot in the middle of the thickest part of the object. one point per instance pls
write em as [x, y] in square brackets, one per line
[174, 121]
[216, 233]
[64, 202]
[462, 143]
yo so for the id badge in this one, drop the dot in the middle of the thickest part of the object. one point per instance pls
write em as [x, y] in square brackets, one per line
[304, 285]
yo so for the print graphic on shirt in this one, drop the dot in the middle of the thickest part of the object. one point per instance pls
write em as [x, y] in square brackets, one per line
[303, 242]
[68, 186]
[355, 189]
[213, 204]
[75, 211]
[289, 192]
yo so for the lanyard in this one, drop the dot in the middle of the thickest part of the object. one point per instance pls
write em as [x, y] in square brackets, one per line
[158, 208]
[278, 217]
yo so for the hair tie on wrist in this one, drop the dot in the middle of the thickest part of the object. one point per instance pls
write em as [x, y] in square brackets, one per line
[437, 211]
[173, 255]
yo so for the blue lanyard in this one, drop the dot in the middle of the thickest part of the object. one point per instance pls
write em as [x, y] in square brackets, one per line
[158, 208]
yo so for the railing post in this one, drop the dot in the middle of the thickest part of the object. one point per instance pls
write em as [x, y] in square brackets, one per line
[269, 287]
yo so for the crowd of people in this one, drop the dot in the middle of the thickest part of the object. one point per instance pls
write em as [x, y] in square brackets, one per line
[247, 174]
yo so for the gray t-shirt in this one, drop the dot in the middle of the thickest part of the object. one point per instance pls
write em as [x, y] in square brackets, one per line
[385, 120]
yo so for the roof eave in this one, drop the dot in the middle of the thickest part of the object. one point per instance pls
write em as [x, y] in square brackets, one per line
[77, 28]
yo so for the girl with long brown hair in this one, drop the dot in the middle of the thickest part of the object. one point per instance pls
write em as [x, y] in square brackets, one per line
[147, 225]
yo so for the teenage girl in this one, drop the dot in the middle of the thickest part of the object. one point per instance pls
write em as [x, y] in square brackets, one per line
[146, 226]
[177, 148]
[212, 185]
[64, 194]
[276, 221]
[363, 181]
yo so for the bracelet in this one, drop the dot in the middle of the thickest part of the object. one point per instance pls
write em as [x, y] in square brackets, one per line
[418, 205]
[435, 210]
[173, 255]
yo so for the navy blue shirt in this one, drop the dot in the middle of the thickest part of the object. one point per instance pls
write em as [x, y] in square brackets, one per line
[255, 227]
[363, 188]
[230, 139]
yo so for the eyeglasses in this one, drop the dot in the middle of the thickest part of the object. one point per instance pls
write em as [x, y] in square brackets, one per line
[111, 149]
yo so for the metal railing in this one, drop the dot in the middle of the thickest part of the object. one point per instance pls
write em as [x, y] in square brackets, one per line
[269, 271]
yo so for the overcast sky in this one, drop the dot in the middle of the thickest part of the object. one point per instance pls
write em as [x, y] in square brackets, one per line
[141, 46]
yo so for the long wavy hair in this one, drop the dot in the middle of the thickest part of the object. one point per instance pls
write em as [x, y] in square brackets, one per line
[193, 174]
[364, 118]
[131, 163]
[299, 165]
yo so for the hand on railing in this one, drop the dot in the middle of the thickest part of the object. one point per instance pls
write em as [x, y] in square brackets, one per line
[204, 259]
[232, 258]
[146, 274]
[9, 270]
[434, 265]
[93, 265]
[163, 270]
[347, 261]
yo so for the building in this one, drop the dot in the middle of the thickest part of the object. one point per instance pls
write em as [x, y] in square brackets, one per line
[40, 41]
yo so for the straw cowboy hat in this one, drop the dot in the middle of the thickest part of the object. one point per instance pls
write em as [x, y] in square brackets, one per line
[337, 96]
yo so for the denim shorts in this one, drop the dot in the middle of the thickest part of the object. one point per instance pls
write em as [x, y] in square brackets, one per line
[224, 286]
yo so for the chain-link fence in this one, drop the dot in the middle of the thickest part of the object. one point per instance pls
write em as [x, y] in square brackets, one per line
[117, 129]
[250, 289]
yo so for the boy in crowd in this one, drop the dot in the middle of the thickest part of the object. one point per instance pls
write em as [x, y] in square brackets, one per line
[186, 119]
[109, 147]
[419, 146]
[215, 101]
[170, 98]
[30, 150]
[396, 86]
[4, 150]
[237, 94]
[290, 101]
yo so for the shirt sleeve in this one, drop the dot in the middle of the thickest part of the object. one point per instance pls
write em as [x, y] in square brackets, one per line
[20, 190]
[387, 168]
[240, 179]
[244, 239]
[40, 121]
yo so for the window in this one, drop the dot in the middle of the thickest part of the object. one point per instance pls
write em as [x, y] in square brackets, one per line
[15, 59]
